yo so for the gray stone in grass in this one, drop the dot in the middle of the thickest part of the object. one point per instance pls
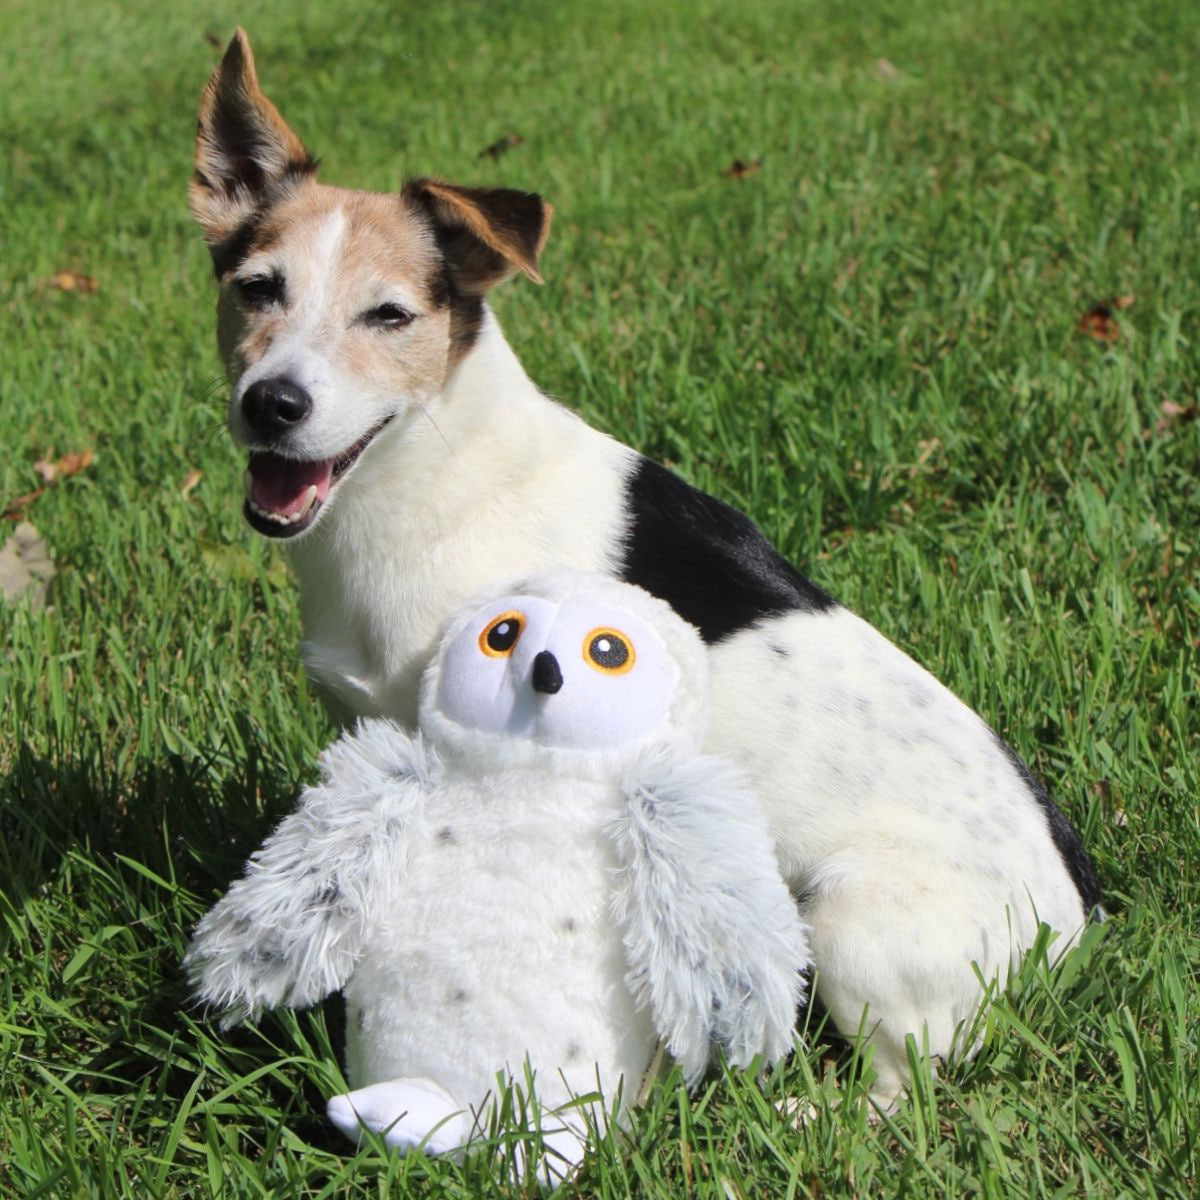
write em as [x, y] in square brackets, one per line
[26, 567]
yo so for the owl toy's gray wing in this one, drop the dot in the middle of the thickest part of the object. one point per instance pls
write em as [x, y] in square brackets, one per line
[291, 929]
[714, 943]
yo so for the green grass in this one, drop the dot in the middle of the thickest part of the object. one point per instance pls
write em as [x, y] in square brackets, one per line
[870, 344]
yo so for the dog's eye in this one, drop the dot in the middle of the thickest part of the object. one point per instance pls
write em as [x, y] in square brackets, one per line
[260, 291]
[388, 316]
[608, 651]
[500, 637]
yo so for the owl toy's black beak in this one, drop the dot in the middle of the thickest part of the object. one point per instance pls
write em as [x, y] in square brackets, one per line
[547, 677]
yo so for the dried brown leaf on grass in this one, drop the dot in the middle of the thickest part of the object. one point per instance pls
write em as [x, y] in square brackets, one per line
[73, 281]
[16, 507]
[741, 169]
[1100, 321]
[64, 467]
[1172, 412]
[501, 145]
[190, 481]
[51, 470]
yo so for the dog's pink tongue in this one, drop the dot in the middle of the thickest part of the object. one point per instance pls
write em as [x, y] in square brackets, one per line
[280, 484]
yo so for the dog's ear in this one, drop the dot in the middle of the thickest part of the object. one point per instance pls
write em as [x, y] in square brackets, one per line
[244, 148]
[485, 233]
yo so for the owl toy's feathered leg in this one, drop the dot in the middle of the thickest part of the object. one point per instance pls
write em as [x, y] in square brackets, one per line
[714, 943]
[291, 929]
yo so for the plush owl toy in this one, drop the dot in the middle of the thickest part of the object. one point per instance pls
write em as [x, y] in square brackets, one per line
[545, 877]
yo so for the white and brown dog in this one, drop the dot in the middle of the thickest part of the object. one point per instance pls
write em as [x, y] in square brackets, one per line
[396, 443]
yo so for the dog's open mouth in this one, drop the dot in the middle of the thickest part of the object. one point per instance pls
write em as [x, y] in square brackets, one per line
[284, 495]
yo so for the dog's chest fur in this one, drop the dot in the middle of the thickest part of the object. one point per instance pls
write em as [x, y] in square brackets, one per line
[493, 482]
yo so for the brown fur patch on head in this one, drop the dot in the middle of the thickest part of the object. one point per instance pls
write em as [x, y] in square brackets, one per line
[441, 246]
[485, 233]
[245, 152]
[384, 254]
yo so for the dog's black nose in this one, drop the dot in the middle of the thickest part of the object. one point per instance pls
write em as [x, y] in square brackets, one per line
[273, 406]
[547, 677]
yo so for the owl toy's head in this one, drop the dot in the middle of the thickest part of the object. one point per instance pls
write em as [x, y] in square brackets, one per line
[578, 665]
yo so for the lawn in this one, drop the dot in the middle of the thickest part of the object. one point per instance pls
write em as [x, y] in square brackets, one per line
[938, 334]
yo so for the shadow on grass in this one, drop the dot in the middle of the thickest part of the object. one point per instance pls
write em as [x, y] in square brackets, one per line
[194, 820]
[148, 855]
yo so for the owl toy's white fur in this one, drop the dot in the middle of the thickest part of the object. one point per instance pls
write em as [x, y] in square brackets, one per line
[539, 879]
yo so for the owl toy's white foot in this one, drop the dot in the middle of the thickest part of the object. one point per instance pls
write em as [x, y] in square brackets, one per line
[412, 1113]
[408, 1113]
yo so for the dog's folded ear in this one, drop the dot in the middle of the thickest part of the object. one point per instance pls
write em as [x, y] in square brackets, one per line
[244, 149]
[486, 234]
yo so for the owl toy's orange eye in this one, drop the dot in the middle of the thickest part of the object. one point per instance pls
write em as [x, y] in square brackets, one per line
[608, 651]
[500, 637]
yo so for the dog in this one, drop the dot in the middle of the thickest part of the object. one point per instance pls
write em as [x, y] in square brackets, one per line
[407, 461]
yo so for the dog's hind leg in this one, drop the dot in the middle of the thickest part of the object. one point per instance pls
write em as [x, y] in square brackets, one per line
[893, 963]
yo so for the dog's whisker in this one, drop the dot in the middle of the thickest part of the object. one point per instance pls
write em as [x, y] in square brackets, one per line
[212, 394]
[214, 431]
[429, 417]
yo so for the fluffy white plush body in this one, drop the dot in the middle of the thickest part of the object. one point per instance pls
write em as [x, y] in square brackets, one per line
[502, 945]
[539, 879]
[922, 851]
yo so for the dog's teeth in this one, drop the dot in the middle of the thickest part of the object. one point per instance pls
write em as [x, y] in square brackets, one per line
[310, 499]
[266, 513]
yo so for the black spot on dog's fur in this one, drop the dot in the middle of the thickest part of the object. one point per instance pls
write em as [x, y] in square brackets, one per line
[466, 320]
[300, 168]
[445, 835]
[710, 562]
[446, 288]
[1066, 839]
[441, 287]
[466, 309]
[569, 924]
[229, 254]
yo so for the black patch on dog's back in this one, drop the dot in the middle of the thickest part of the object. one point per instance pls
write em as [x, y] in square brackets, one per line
[1066, 839]
[708, 561]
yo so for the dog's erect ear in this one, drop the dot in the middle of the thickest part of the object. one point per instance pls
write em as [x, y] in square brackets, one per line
[244, 148]
[485, 233]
